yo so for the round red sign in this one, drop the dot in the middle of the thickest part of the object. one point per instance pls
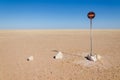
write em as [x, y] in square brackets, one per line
[91, 15]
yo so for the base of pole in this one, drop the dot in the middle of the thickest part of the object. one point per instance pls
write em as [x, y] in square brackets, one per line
[93, 58]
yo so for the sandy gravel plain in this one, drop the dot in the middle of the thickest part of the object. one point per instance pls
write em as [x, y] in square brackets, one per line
[17, 45]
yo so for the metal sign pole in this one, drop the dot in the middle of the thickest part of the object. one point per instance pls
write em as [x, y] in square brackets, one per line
[91, 15]
[90, 37]
[91, 56]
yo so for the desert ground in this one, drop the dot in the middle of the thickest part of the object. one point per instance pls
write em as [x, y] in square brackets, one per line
[17, 45]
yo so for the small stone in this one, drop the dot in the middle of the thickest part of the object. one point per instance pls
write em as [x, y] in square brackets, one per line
[30, 58]
[59, 55]
[98, 57]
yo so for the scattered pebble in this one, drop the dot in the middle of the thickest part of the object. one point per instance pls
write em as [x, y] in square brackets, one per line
[30, 58]
[59, 55]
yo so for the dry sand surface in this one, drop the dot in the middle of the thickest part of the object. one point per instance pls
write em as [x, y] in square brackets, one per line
[17, 45]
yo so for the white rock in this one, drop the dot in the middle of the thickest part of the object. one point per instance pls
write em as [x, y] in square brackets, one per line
[59, 55]
[30, 58]
[92, 58]
[98, 57]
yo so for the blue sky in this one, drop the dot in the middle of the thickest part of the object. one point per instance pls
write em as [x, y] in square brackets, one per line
[59, 14]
